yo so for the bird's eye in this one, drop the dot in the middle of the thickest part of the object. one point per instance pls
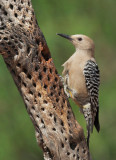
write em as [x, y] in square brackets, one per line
[79, 39]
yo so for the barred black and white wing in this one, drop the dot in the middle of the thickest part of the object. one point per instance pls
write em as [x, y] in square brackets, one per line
[92, 79]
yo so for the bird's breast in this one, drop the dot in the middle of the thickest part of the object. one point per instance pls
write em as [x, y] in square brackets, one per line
[76, 77]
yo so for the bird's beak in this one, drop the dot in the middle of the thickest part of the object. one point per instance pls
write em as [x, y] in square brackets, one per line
[65, 36]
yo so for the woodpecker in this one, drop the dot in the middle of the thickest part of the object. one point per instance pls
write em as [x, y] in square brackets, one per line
[81, 79]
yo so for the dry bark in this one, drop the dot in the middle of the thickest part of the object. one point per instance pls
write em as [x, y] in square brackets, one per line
[28, 59]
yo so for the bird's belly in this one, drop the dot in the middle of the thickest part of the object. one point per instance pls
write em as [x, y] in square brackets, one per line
[78, 84]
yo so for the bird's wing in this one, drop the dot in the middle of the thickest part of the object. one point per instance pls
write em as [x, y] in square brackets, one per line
[65, 71]
[92, 80]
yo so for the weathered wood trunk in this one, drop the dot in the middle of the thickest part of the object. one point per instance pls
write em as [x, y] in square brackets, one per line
[28, 59]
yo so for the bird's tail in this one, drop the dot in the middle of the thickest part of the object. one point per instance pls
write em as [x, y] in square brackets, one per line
[89, 120]
[96, 122]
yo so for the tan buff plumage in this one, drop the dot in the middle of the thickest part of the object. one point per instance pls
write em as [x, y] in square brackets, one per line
[81, 79]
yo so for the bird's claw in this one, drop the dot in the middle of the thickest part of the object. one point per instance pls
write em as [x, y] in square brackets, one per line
[62, 79]
[66, 92]
[65, 86]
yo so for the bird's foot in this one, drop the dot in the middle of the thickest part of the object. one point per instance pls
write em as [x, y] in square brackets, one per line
[66, 90]
[62, 79]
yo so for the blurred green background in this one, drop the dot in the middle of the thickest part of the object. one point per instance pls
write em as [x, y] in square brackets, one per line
[93, 18]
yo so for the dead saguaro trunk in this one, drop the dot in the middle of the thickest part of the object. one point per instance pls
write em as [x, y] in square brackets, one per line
[28, 59]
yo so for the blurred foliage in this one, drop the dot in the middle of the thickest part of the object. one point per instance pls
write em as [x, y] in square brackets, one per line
[93, 18]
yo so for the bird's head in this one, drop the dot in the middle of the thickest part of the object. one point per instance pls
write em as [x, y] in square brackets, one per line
[80, 41]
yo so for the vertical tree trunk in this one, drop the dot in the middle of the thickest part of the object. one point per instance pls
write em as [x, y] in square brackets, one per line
[28, 59]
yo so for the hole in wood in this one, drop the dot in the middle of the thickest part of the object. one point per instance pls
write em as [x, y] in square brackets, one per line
[42, 109]
[28, 3]
[63, 100]
[29, 76]
[68, 153]
[56, 79]
[61, 86]
[45, 86]
[84, 151]
[8, 52]
[69, 112]
[73, 145]
[48, 78]
[9, 20]
[9, 43]
[30, 92]
[40, 76]
[36, 68]
[6, 49]
[37, 115]
[16, 41]
[2, 28]
[62, 145]
[45, 101]
[24, 84]
[44, 69]
[19, 8]
[33, 107]
[55, 119]
[39, 94]
[26, 9]
[37, 41]
[24, 22]
[25, 70]
[22, 1]
[62, 106]
[42, 121]
[70, 131]
[50, 114]
[54, 129]
[50, 70]
[65, 139]
[5, 13]
[2, 44]
[5, 38]
[61, 131]
[54, 86]
[11, 37]
[16, 15]
[57, 100]
[16, 51]
[11, 6]
[13, 47]
[73, 155]
[56, 72]
[19, 45]
[62, 123]
[34, 84]
[51, 93]
[59, 93]
[28, 49]
[61, 113]
[68, 117]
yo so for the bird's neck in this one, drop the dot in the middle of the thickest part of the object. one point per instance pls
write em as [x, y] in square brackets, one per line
[85, 52]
